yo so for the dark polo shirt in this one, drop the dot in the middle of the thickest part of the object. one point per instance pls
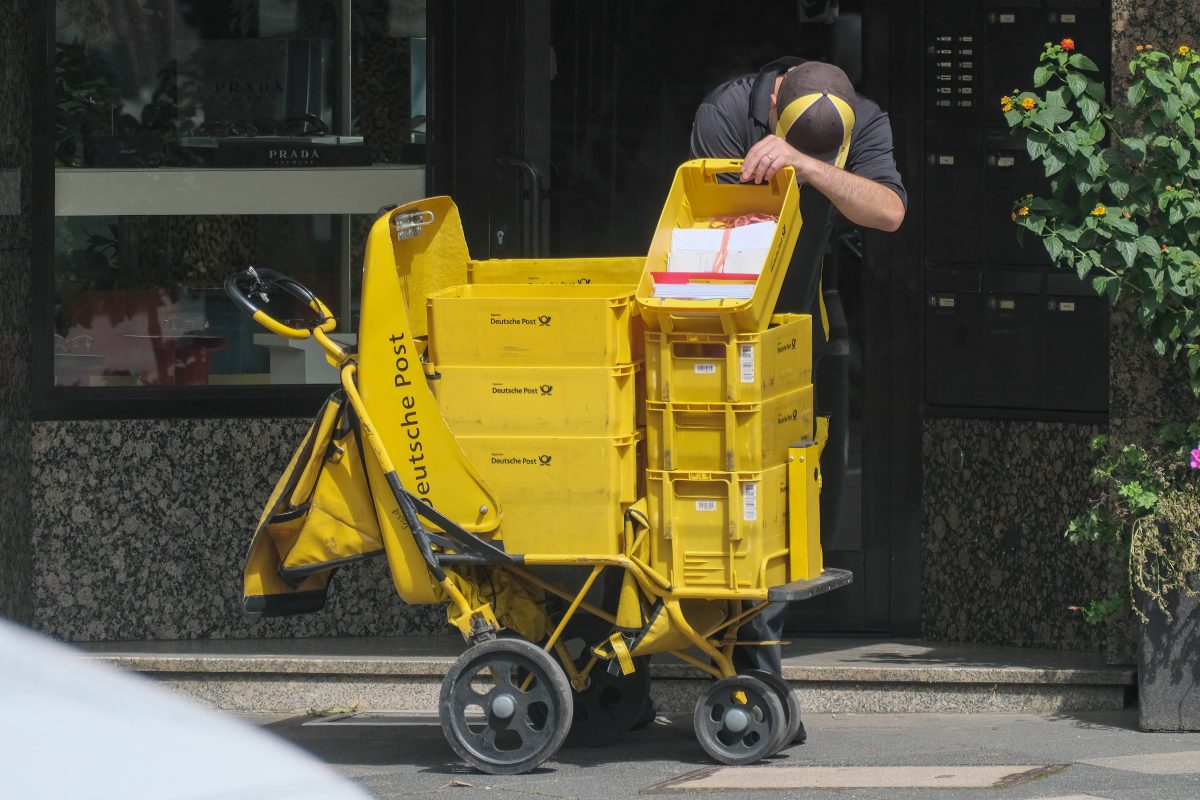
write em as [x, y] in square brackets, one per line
[734, 117]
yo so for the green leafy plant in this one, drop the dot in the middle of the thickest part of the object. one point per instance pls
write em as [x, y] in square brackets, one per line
[1124, 204]
[1124, 212]
[1148, 510]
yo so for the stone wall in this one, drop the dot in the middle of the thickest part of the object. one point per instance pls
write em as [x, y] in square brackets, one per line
[997, 569]
[141, 526]
[16, 136]
[997, 497]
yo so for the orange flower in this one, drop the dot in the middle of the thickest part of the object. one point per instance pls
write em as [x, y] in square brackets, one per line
[1099, 211]
[1163, 247]
[1183, 50]
[1028, 103]
[1067, 44]
[1139, 48]
[1023, 211]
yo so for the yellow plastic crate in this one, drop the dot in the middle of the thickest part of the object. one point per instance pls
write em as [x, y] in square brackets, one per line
[559, 494]
[539, 401]
[696, 197]
[533, 325]
[713, 368]
[719, 530]
[736, 437]
[612, 271]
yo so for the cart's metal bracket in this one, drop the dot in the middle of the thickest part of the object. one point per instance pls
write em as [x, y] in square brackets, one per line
[409, 225]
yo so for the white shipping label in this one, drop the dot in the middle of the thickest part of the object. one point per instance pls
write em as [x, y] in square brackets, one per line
[747, 363]
[706, 369]
[706, 505]
[750, 502]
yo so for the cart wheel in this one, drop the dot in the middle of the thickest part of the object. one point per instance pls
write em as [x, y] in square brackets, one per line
[490, 721]
[739, 719]
[791, 706]
[610, 706]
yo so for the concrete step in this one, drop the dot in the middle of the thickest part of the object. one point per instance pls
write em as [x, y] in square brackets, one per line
[831, 675]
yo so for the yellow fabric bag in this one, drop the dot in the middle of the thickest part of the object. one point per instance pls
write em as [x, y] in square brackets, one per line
[319, 517]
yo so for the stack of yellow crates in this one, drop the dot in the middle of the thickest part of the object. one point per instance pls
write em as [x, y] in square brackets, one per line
[541, 386]
[729, 395]
[722, 415]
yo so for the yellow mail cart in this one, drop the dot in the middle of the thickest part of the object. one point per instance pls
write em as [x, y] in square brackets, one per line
[583, 462]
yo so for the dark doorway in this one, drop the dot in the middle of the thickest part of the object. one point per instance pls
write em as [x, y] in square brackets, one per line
[557, 130]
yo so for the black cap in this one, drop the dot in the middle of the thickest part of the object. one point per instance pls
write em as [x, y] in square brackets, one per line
[815, 105]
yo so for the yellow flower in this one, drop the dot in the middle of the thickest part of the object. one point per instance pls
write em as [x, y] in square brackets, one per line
[1028, 103]
[1139, 48]
[1183, 50]
[1014, 216]
[1099, 211]
[1023, 211]
[1005, 100]
[1006, 107]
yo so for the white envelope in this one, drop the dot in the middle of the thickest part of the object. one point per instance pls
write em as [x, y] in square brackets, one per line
[744, 261]
[756, 236]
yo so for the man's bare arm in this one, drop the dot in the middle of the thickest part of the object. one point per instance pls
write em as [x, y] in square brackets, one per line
[861, 200]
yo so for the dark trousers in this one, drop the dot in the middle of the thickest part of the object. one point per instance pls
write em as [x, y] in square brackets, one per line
[767, 626]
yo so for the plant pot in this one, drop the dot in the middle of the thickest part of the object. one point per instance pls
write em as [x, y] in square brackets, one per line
[1169, 666]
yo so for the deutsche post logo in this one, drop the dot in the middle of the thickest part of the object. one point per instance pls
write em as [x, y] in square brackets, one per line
[546, 389]
[544, 320]
[544, 461]
[584, 280]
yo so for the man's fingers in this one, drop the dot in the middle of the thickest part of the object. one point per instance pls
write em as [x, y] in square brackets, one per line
[756, 160]
[774, 167]
[765, 164]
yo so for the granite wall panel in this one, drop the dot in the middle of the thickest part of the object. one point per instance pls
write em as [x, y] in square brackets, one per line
[16, 564]
[140, 528]
[17, 64]
[997, 496]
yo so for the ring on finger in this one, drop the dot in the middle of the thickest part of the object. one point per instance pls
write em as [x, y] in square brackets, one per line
[771, 156]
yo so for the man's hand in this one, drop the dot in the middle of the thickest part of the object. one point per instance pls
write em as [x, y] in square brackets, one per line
[861, 200]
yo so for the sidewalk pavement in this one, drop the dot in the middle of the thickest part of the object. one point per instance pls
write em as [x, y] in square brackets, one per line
[1076, 756]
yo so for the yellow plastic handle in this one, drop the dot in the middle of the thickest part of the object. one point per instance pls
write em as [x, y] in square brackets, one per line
[718, 166]
[262, 279]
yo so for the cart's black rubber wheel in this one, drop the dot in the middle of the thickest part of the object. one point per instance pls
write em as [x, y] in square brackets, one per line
[738, 720]
[487, 718]
[791, 706]
[610, 706]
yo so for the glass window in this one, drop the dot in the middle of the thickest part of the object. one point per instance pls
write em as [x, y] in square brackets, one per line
[194, 138]
[239, 83]
[138, 299]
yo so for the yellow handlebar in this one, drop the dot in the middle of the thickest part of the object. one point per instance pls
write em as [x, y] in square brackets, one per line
[250, 283]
